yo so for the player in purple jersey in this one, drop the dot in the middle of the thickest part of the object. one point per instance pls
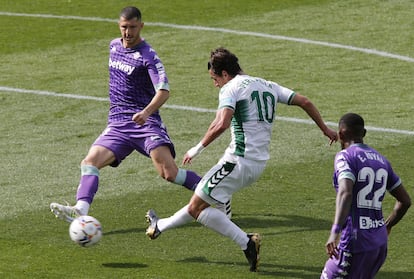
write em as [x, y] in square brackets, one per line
[361, 177]
[138, 87]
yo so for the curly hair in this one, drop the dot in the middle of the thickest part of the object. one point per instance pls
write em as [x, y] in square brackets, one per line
[221, 60]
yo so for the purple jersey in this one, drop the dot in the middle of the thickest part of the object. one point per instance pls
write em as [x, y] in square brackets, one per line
[372, 175]
[135, 74]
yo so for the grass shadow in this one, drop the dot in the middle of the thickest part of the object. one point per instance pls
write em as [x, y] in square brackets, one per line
[142, 230]
[296, 222]
[124, 231]
[124, 265]
[293, 271]
[266, 269]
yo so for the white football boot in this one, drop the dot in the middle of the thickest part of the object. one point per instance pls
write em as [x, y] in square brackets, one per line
[65, 212]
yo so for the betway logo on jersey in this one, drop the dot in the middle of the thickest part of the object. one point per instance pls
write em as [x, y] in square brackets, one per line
[128, 69]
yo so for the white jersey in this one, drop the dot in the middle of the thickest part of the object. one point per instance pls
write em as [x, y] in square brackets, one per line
[254, 103]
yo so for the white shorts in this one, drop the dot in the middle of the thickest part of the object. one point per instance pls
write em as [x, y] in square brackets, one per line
[229, 175]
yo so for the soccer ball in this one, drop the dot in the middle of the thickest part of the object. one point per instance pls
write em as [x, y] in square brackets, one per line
[85, 231]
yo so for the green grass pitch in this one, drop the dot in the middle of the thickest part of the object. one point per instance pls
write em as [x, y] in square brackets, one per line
[346, 56]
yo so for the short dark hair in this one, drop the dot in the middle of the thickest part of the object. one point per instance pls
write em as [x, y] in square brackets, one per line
[354, 123]
[222, 59]
[130, 12]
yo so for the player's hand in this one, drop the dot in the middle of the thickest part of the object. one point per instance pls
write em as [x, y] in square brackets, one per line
[332, 135]
[140, 117]
[186, 159]
[192, 152]
[331, 246]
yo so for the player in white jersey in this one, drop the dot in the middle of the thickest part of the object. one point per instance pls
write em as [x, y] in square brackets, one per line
[247, 106]
[253, 101]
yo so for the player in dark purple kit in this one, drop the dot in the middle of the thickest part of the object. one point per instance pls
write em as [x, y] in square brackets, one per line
[361, 177]
[138, 87]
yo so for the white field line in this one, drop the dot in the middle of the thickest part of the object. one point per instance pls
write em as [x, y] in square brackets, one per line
[224, 30]
[178, 107]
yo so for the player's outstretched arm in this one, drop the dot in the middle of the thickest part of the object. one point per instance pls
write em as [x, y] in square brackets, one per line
[220, 124]
[313, 112]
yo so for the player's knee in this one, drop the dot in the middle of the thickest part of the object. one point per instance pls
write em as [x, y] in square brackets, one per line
[86, 162]
[168, 174]
[194, 211]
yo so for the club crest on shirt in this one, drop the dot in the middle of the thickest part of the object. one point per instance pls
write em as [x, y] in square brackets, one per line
[136, 55]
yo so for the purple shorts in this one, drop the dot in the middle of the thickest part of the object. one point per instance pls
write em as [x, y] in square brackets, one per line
[124, 137]
[356, 266]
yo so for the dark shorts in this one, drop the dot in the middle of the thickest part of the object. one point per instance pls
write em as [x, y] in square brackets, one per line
[357, 265]
[123, 138]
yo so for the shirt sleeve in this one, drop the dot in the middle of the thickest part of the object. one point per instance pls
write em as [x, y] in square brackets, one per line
[157, 72]
[285, 95]
[342, 167]
[227, 98]
[393, 179]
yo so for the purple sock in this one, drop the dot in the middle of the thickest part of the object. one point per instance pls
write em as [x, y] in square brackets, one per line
[191, 180]
[88, 185]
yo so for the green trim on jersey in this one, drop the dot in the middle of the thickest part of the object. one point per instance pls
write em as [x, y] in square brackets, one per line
[226, 106]
[291, 97]
[240, 115]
